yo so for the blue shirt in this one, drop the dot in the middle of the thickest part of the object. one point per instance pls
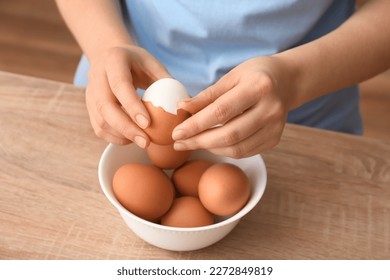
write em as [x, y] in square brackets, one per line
[200, 41]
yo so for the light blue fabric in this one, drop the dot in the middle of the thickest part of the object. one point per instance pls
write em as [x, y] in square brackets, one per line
[199, 41]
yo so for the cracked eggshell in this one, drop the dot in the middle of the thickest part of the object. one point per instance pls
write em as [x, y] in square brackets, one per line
[161, 100]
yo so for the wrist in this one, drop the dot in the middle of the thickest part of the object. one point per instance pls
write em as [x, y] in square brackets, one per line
[288, 80]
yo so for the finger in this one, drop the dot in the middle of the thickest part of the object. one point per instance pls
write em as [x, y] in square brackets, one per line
[106, 133]
[233, 132]
[102, 129]
[101, 126]
[121, 83]
[115, 117]
[226, 107]
[257, 143]
[155, 70]
[207, 96]
[95, 92]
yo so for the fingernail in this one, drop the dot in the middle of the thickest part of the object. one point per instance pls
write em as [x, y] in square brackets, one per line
[178, 134]
[179, 146]
[140, 141]
[141, 121]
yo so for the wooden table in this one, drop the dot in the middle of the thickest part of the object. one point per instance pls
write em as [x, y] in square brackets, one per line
[327, 197]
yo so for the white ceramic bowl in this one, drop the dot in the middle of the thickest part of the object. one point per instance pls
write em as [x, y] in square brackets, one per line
[174, 238]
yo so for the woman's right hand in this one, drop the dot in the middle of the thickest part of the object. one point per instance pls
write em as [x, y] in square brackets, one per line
[116, 112]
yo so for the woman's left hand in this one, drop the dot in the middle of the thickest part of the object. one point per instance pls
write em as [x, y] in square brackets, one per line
[241, 115]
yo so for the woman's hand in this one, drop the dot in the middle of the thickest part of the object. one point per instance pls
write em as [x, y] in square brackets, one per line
[241, 115]
[116, 112]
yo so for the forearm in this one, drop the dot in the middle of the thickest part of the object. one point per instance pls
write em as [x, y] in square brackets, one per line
[96, 24]
[357, 50]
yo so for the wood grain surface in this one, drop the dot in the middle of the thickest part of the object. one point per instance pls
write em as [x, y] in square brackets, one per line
[34, 40]
[327, 196]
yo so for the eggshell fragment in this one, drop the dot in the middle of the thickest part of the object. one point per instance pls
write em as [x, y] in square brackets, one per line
[187, 211]
[165, 157]
[166, 93]
[161, 100]
[224, 189]
[186, 177]
[144, 190]
[162, 123]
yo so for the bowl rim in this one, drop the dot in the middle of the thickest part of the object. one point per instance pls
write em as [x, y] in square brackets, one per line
[122, 210]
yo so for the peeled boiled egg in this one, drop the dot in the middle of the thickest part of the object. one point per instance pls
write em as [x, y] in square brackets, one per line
[186, 177]
[161, 101]
[224, 189]
[165, 157]
[144, 190]
[187, 211]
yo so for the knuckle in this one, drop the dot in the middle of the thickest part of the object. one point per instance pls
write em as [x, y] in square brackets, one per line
[209, 94]
[274, 142]
[100, 128]
[99, 132]
[124, 130]
[103, 125]
[100, 107]
[193, 126]
[263, 84]
[235, 151]
[231, 137]
[221, 112]
[118, 83]
[277, 111]
[266, 83]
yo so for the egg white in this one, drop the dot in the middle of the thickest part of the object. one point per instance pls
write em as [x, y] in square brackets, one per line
[166, 93]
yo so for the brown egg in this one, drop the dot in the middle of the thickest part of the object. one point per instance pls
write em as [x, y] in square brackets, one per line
[224, 189]
[186, 177]
[162, 123]
[164, 156]
[144, 190]
[187, 211]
